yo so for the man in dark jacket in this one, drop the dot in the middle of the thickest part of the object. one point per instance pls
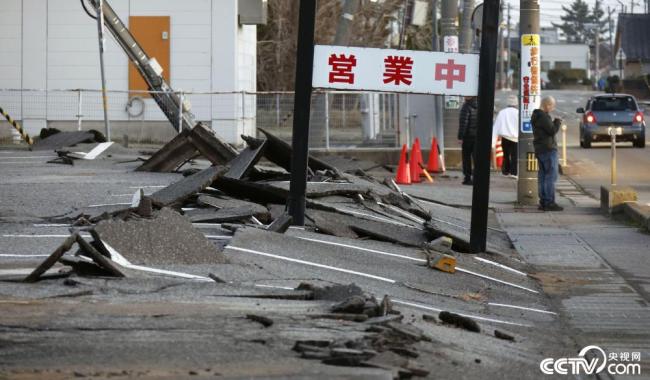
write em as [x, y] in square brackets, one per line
[467, 126]
[544, 131]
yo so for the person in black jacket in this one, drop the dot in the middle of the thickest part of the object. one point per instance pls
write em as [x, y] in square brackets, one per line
[467, 126]
[544, 132]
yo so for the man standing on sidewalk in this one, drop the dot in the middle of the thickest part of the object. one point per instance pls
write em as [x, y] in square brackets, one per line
[467, 126]
[506, 127]
[544, 131]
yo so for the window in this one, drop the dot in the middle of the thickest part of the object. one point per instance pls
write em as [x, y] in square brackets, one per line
[562, 65]
[614, 104]
[546, 66]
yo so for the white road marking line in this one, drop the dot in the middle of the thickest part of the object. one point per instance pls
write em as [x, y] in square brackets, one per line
[206, 225]
[500, 266]
[274, 287]
[51, 225]
[407, 215]
[28, 157]
[154, 186]
[426, 307]
[495, 279]
[362, 249]
[109, 204]
[41, 236]
[218, 237]
[121, 260]
[125, 195]
[15, 255]
[522, 308]
[19, 162]
[309, 263]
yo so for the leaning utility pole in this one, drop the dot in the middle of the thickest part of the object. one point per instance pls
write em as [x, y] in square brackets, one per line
[449, 30]
[528, 84]
[102, 67]
[466, 37]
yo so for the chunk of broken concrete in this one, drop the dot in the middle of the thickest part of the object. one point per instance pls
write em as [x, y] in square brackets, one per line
[166, 238]
[241, 165]
[352, 305]
[179, 191]
[459, 321]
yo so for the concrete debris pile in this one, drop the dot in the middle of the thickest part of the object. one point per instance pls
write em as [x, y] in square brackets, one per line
[231, 199]
[387, 343]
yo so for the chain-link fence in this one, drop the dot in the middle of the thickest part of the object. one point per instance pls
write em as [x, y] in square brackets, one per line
[338, 119]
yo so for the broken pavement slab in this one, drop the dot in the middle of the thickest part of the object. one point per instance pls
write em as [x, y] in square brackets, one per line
[279, 152]
[241, 165]
[165, 239]
[186, 145]
[179, 191]
[102, 262]
[172, 155]
[225, 215]
[52, 259]
[62, 140]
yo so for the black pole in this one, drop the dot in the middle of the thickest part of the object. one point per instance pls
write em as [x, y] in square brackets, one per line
[301, 110]
[486, 77]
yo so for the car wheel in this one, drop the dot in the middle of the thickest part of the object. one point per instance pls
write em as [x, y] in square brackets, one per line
[640, 143]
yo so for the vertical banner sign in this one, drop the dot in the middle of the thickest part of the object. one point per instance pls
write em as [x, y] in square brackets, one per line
[530, 81]
[450, 45]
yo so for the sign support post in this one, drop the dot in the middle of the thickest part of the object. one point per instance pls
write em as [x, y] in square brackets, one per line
[301, 111]
[486, 87]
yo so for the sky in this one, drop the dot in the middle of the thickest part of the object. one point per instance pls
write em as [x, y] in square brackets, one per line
[551, 10]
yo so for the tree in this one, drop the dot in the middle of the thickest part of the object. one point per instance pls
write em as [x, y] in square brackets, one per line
[573, 22]
[373, 25]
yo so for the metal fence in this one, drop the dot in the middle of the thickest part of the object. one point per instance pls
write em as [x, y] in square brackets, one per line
[338, 119]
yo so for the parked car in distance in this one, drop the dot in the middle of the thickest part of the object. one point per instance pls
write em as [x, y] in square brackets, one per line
[612, 110]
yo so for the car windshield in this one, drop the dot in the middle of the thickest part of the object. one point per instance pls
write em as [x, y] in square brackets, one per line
[614, 104]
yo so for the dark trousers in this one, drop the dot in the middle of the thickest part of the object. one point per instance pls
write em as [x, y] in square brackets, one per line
[469, 154]
[509, 157]
[546, 176]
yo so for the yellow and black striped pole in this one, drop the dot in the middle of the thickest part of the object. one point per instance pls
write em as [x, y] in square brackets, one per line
[18, 127]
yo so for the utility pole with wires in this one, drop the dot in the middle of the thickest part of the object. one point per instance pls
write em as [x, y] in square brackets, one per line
[500, 49]
[449, 31]
[508, 80]
[466, 38]
[437, 99]
[610, 24]
[529, 29]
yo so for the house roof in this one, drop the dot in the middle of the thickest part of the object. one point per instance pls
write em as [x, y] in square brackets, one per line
[633, 34]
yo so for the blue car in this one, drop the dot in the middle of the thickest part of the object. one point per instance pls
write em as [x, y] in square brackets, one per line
[612, 110]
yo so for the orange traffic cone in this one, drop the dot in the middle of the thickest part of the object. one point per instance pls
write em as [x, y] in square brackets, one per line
[498, 153]
[403, 176]
[433, 166]
[416, 160]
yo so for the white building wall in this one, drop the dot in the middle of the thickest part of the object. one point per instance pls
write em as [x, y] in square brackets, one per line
[577, 54]
[11, 27]
[55, 47]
